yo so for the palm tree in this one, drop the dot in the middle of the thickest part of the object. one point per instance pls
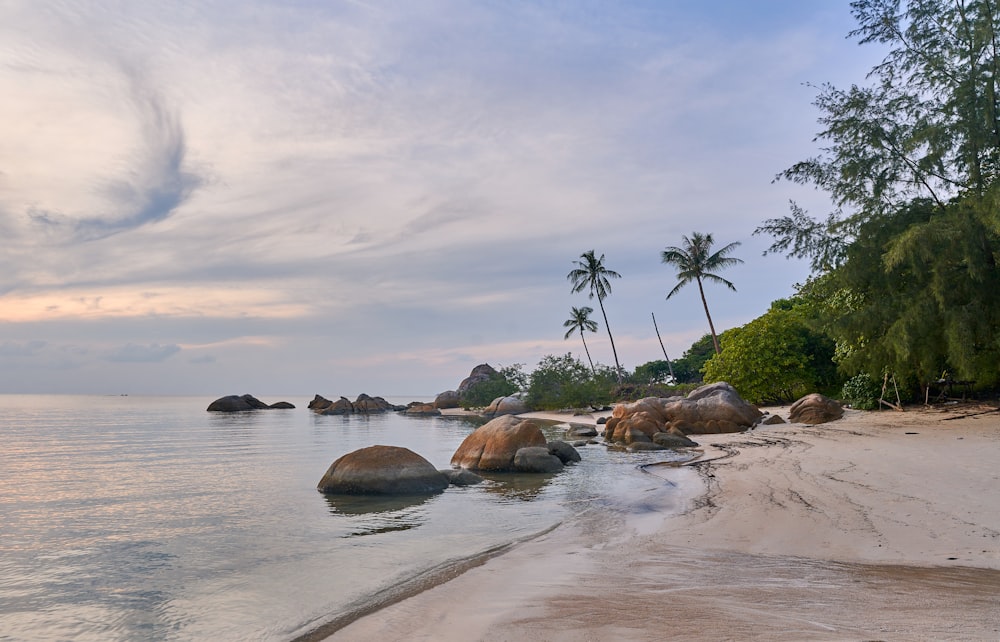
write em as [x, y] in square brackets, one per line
[580, 320]
[694, 262]
[591, 274]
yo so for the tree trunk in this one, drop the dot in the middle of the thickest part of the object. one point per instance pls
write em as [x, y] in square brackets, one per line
[585, 349]
[618, 368]
[711, 326]
[670, 366]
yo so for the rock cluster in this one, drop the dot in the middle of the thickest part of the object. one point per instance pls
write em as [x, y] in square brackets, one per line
[241, 403]
[508, 444]
[344, 406]
[714, 408]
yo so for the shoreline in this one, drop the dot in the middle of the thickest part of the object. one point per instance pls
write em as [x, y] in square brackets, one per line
[789, 532]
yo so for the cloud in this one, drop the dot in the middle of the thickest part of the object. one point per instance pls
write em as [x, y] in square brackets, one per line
[153, 353]
[21, 348]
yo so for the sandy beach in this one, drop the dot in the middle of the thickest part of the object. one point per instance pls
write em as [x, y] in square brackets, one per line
[879, 526]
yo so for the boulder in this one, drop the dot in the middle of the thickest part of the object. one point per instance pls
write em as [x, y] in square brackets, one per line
[714, 408]
[319, 403]
[492, 446]
[342, 406]
[815, 409]
[423, 410]
[367, 404]
[462, 477]
[771, 420]
[505, 406]
[482, 372]
[382, 470]
[236, 403]
[536, 459]
[581, 430]
[447, 399]
[282, 405]
[567, 454]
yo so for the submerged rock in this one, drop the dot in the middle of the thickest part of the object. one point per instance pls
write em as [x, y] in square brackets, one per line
[536, 459]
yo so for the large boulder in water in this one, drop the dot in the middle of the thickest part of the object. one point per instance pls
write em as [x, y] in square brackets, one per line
[382, 470]
[814, 409]
[493, 445]
[237, 403]
[715, 408]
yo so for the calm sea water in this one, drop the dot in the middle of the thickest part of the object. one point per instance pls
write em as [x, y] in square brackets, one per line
[148, 518]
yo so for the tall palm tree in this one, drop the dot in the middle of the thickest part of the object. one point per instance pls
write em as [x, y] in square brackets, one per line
[580, 320]
[591, 274]
[695, 262]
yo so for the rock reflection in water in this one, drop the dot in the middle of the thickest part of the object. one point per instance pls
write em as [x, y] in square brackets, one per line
[373, 514]
[523, 486]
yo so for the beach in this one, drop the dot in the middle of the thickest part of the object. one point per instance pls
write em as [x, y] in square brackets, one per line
[877, 526]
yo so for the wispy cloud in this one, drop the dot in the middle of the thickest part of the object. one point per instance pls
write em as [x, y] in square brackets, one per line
[133, 353]
[347, 180]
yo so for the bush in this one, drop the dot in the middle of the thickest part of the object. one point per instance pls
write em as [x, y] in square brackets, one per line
[565, 382]
[862, 392]
[774, 358]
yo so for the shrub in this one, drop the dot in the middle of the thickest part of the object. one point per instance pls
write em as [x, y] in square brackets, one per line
[862, 392]
[565, 382]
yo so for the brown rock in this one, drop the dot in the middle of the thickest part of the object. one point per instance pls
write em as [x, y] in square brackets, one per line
[715, 408]
[482, 372]
[382, 470]
[423, 410]
[447, 399]
[815, 409]
[493, 445]
[505, 406]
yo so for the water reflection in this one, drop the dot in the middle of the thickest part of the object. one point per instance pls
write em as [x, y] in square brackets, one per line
[374, 514]
[522, 486]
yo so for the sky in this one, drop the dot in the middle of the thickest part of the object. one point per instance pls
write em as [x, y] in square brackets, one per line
[330, 197]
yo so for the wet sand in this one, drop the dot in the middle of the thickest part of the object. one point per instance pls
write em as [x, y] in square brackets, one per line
[879, 526]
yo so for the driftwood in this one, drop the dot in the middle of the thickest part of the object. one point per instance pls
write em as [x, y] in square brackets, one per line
[885, 384]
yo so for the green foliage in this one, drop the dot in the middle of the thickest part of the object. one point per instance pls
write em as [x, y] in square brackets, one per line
[508, 380]
[774, 358]
[688, 368]
[908, 260]
[565, 382]
[862, 392]
[651, 372]
[919, 296]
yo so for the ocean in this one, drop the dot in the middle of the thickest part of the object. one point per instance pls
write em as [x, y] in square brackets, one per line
[149, 518]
